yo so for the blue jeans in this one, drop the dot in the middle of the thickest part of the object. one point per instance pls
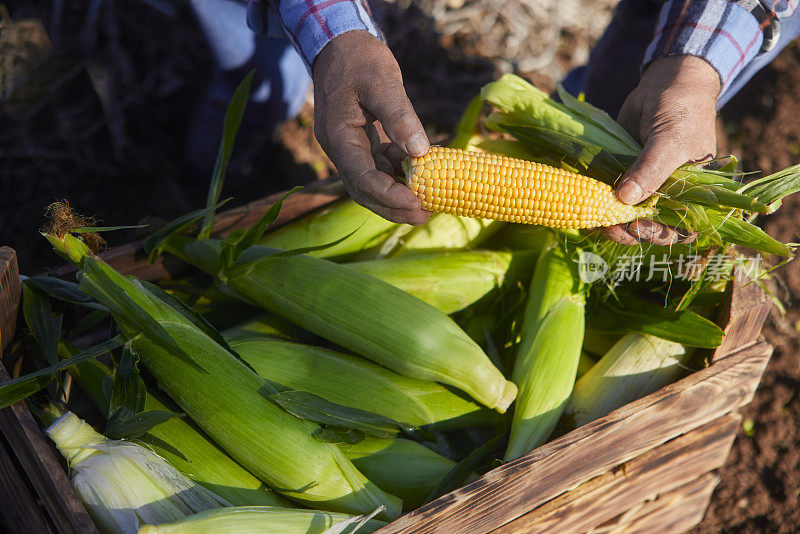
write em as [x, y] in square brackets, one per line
[613, 68]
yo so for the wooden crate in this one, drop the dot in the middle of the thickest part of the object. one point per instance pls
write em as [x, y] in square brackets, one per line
[647, 466]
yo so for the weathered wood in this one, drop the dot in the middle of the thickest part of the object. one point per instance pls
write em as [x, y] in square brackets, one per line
[10, 290]
[671, 513]
[657, 471]
[41, 468]
[130, 259]
[513, 489]
[20, 512]
[743, 315]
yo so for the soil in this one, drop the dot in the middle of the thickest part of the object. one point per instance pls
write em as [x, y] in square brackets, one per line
[105, 117]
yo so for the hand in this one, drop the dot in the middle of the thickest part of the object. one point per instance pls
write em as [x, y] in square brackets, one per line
[356, 82]
[672, 112]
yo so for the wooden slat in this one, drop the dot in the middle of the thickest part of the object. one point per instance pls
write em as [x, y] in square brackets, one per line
[130, 260]
[9, 295]
[672, 513]
[20, 513]
[657, 471]
[41, 468]
[513, 489]
[743, 315]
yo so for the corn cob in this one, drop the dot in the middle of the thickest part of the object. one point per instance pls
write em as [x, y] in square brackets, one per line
[182, 444]
[265, 520]
[475, 184]
[378, 390]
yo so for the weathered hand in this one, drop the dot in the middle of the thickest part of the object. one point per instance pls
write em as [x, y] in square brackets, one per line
[672, 112]
[356, 83]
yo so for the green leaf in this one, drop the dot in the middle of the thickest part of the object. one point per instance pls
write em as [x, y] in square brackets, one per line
[97, 229]
[599, 117]
[132, 426]
[459, 474]
[153, 245]
[254, 233]
[89, 320]
[635, 315]
[45, 327]
[128, 390]
[313, 408]
[335, 434]
[468, 123]
[62, 290]
[20, 388]
[233, 119]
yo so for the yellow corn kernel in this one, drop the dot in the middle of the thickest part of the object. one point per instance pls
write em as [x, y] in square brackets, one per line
[497, 185]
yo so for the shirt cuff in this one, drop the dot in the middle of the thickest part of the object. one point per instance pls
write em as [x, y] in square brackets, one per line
[311, 24]
[720, 31]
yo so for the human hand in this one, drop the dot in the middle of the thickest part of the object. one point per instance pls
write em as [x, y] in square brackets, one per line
[356, 83]
[672, 112]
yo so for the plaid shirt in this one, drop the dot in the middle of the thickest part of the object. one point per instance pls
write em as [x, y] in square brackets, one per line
[727, 34]
[310, 24]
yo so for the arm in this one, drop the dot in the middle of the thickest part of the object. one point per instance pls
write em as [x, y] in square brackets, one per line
[362, 116]
[698, 49]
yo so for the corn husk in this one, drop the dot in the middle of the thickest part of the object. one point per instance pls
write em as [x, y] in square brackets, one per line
[267, 324]
[224, 397]
[330, 224]
[637, 365]
[444, 231]
[122, 484]
[585, 363]
[449, 281]
[360, 313]
[267, 520]
[378, 390]
[549, 351]
[400, 466]
[183, 445]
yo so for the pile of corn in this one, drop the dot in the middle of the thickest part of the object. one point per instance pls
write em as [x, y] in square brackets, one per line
[327, 375]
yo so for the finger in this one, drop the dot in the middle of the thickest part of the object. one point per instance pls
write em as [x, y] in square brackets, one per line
[659, 158]
[395, 157]
[656, 233]
[620, 234]
[391, 107]
[375, 187]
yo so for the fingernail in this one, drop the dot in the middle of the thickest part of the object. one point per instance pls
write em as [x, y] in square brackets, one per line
[418, 145]
[629, 192]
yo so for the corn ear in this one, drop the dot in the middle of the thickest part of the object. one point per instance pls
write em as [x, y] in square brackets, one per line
[375, 389]
[400, 466]
[183, 445]
[266, 520]
[637, 365]
[122, 484]
[224, 398]
[549, 350]
[329, 225]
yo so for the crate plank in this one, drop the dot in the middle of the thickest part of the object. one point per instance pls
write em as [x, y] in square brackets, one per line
[673, 512]
[513, 489]
[743, 315]
[129, 259]
[657, 471]
[10, 289]
[20, 513]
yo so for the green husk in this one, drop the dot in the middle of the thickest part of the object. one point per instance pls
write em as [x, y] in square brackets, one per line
[267, 324]
[549, 351]
[444, 231]
[362, 314]
[326, 372]
[635, 366]
[328, 225]
[182, 444]
[267, 520]
[123, 484]
[202, 376]
[400, 466]
[449, 281]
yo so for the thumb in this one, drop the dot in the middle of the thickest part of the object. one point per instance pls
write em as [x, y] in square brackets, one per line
[657, 161]
[393, 109]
